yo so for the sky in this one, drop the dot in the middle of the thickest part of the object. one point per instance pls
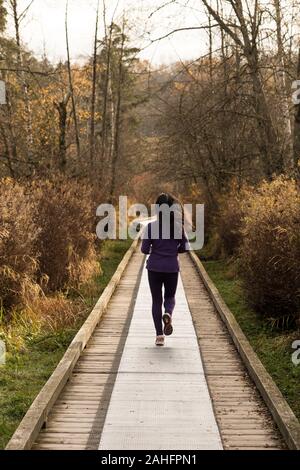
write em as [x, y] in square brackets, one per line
[43, 28]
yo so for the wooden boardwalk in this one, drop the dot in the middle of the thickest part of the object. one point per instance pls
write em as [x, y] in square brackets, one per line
[77, 419]
[124, 393]
[243, 418]
[160, 398]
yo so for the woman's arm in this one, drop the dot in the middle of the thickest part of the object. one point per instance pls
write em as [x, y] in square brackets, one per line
[184, 245]
[146, 241]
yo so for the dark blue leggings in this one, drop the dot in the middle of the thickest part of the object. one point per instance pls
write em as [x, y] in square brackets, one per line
[157, 281]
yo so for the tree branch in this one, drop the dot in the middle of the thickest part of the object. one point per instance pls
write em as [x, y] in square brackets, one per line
[24, 12]
[222, 24]
[183, 29]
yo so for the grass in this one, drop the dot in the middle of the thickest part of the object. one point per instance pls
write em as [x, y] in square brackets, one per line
[273, 346]
[28, 368]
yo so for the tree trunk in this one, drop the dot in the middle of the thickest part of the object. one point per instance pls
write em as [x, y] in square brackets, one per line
[268, 142]
[106, 91]
[93, 98]
[77, 138]
[62, 147]
[288, 150]
[297, 126]
[24, 83]
[116, 126]
[210, 49]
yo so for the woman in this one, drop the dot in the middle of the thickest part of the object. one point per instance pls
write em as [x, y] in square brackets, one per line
[164, 239]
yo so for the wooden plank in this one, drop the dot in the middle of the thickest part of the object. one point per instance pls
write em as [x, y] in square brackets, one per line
[283, 415]
[48, 446]
[238, 406]
[73, 407]
[164, 385]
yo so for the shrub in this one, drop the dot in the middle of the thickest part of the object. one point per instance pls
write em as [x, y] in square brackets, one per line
[232, 210]
[270, 251]
[47, 238]
[66, 217]
[18, 244]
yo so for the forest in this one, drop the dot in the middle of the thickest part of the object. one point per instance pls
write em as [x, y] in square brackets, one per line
[222, 129]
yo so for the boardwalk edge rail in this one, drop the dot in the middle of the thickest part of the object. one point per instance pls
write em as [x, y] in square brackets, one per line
[284, 417]
[37, 414]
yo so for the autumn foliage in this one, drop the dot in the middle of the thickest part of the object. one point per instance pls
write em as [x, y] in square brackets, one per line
[19, 234]
[233, 207]
[261, 227]
[270, 251]
[47, 237]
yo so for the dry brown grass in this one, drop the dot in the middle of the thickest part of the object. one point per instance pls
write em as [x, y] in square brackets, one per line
[233, 207]
[56, 312]
[47, 242]
[67, 232]
[18, 244]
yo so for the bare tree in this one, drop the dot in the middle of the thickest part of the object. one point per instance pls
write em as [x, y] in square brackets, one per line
[108, 46]
[297, 125]
[76, 125]
[107, 89]
[22, 76]
[287, 138]
[117, 118]
[93, 97]
[245, 35]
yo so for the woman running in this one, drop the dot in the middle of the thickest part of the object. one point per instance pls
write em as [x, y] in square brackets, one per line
[163, 239]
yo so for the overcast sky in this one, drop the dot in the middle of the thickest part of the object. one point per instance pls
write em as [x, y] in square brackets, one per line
[43, 28]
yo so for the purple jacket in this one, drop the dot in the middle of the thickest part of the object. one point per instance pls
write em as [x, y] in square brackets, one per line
[163, 253]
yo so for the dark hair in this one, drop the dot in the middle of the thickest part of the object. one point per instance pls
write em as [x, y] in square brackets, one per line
[165, 198]
[169, 200]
